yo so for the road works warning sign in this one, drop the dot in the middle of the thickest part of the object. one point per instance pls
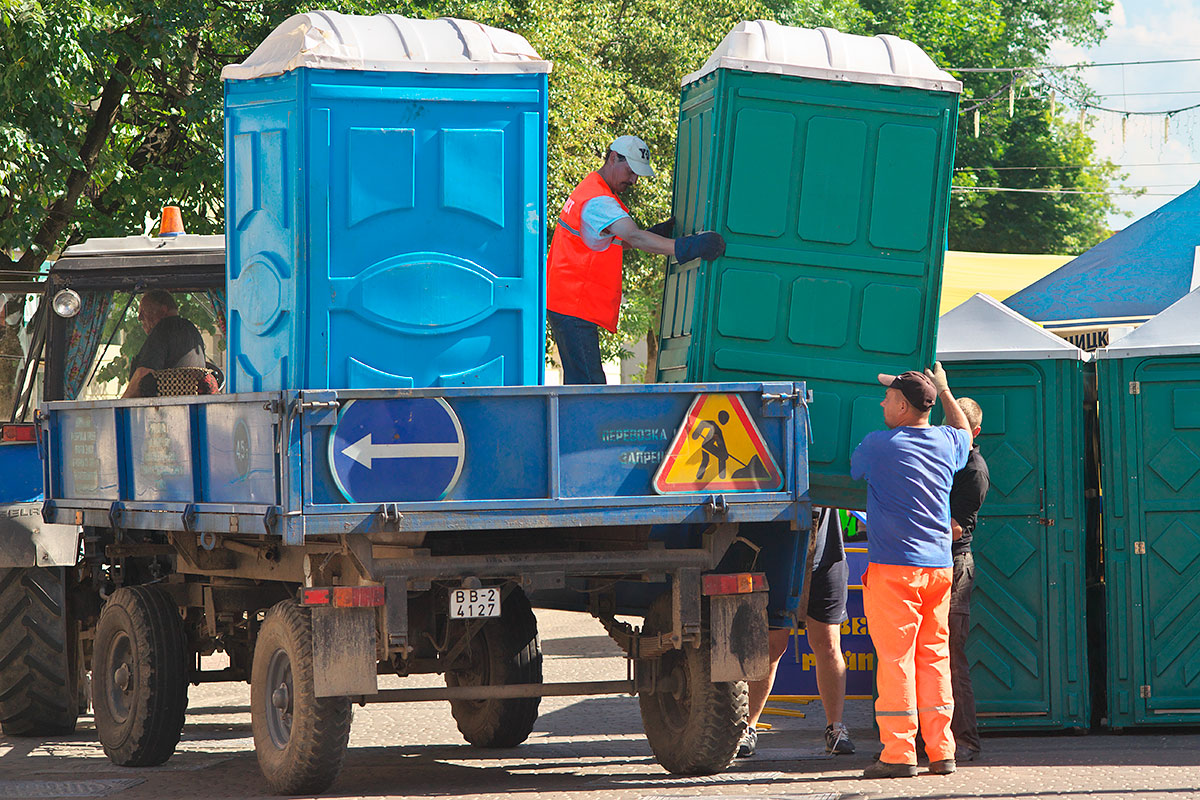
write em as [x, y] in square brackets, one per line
[718, 448]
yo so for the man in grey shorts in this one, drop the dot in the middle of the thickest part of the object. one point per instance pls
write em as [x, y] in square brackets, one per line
[823, 621]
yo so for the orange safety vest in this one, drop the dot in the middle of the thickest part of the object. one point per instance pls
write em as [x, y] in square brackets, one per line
[581, 282]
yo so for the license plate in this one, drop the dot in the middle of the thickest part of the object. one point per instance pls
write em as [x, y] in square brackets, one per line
[470, 603]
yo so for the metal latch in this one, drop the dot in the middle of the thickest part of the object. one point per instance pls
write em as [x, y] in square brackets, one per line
[1144, 691]
[717, 507]
[1047, 522]
[1139, 548]
[390, 513]
[1135, 387]
[777, 404]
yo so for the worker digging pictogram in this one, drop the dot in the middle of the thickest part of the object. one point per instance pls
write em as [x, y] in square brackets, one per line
[718, 448]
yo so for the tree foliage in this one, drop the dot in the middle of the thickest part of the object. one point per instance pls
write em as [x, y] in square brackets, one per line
[1013, 34]
[114, 108]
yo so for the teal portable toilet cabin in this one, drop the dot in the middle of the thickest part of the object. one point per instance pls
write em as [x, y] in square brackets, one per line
[1149, 392]
[385, 184]
[1028, 642]
[824, 159]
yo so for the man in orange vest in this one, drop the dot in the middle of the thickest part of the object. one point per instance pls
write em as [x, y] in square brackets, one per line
[583, 283]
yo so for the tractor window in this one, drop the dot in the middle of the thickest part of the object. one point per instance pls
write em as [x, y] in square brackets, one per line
[21, 332]
[125, 340]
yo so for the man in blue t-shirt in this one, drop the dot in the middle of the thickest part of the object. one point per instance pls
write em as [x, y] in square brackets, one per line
[909, 469]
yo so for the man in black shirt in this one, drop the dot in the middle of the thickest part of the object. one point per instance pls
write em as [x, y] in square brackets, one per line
[171, 340]
[966, 496]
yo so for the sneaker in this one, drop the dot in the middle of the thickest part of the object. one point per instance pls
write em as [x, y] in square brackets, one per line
[943, 767]
[748, 744]
[837, 740]
[882, 769]
[966, 754]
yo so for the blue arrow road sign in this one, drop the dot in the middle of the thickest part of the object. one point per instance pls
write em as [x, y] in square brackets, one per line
[397, 450]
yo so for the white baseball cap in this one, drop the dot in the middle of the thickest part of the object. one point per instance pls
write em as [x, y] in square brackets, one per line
[636, 152]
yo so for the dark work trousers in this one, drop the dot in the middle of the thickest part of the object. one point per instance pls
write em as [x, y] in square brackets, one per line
[963, 725]
[579, 348]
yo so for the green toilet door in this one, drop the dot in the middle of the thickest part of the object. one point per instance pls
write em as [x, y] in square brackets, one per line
[1168, 415]
[1009, 645]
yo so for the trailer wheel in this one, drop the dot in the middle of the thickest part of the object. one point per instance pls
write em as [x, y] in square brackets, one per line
[505, 651]
[300, 738]
[693, 725]
[42, 676]
[139, 677]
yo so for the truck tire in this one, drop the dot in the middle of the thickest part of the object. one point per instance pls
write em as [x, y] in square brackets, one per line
[300, 738]
[693, 725]
[139, 677]
[505, 651]
[41, 671]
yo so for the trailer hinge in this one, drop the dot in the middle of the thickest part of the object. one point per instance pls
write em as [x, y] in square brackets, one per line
[1139, 548]
[115, 512]
[1135, 387]
[1144, 691]
[319, 405]
[270, 518]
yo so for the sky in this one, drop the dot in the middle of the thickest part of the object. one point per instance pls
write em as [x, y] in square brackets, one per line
[1146, 30]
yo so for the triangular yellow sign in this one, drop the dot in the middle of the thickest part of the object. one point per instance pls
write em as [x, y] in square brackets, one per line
[718, 448]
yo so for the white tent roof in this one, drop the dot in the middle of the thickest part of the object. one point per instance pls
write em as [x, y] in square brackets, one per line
[1175, 329]
[387, 43]
[983, 329]
[765, 46]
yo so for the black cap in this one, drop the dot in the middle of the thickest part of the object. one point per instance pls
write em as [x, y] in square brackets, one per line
[915, 386]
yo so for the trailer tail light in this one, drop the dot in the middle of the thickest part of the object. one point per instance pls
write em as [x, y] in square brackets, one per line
[22, 432]
[737, 583]
[342, 596]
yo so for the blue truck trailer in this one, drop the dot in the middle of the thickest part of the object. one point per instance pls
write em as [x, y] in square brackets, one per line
[356, 509]
[371, 531]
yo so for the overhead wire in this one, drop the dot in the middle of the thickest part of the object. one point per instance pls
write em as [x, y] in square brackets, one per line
[1080, 65]
[1058, 191]
[1087, 166]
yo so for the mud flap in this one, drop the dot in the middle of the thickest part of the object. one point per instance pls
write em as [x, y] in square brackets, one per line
[738, 625]
[344, 658]
[26, 540]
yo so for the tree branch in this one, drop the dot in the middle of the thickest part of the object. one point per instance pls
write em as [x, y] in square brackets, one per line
[58, 216]
[163, 138]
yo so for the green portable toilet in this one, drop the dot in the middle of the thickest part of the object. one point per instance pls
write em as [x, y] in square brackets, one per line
[824, 159]
[1149, 394]
[1028, 642]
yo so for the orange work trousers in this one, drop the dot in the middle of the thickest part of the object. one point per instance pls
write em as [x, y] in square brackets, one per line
[908, 614]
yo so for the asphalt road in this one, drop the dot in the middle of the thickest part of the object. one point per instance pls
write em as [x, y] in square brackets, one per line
[588, 749]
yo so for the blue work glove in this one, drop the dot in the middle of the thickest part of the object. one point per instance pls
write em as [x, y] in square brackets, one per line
[707, 246]
[663, 228]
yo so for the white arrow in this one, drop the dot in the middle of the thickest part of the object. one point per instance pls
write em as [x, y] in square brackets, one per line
[364, 452]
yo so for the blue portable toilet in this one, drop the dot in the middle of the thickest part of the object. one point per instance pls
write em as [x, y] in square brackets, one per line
[384, 193]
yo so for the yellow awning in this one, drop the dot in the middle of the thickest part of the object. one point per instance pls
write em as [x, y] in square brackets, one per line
[995, 274]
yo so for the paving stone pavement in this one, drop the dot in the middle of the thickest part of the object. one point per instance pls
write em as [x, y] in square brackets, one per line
[591, 748]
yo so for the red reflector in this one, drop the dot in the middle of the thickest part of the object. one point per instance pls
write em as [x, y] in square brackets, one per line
[739, 583]
[314, 597]
[357, 596]
[19, 433]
